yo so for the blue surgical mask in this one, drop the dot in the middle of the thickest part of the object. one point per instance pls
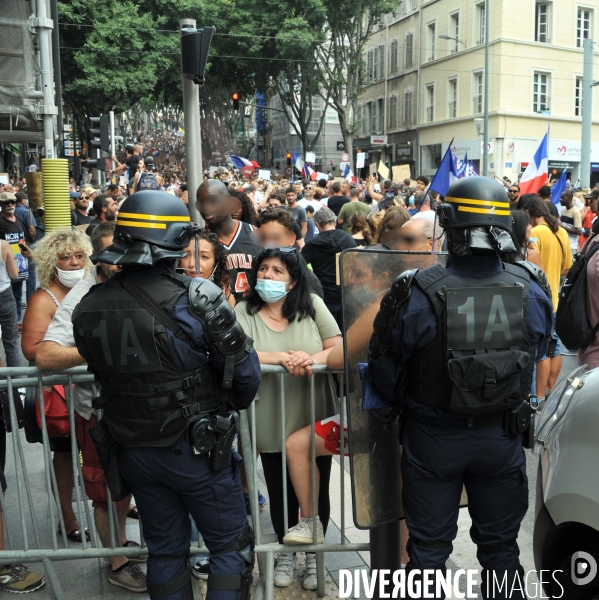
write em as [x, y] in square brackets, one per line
[411, 200]
[271, 291]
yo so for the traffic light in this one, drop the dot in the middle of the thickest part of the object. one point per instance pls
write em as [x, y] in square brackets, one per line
[195, 45]
[103, 132]
[102, 164]
[235, 97]
[388, 164]
[288, 155]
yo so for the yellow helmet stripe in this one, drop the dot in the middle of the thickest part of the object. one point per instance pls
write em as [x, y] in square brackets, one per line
[140, 224]
[486, 211]
[478, 202]
[153, 217]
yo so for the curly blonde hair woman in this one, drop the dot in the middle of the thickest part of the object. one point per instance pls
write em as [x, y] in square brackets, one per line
[61, 260]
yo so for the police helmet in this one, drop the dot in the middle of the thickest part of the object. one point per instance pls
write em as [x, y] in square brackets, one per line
[151, 226]
[475, 202]
[476, 216]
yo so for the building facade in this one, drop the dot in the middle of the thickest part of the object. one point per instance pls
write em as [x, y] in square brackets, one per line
[387, 112]
[535, 82]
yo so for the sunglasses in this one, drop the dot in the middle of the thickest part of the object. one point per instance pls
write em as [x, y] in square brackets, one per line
[513, 191]
[85, 197]
[270, 252]
[9, 202]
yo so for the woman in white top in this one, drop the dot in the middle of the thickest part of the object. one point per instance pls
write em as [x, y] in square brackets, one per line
[8, 307]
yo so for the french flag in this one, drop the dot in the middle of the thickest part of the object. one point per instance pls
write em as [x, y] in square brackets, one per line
[537, 170]
[240, 162]
[349, 176]
[298, 163]
[309, 172]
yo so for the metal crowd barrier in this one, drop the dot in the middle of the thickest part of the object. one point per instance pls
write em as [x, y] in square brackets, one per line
[28, 377]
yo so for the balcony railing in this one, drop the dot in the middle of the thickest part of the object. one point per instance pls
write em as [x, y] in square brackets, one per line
[430, 113]
[477, 104]
[453, 108]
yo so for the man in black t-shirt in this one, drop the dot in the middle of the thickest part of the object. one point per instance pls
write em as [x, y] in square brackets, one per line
[337, 200]
[79, 216]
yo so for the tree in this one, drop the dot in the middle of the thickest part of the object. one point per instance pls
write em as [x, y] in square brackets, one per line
[340, 72]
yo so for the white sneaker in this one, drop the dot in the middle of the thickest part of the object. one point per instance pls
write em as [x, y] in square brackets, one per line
[284, 569]
[310, 580]
[302, 533]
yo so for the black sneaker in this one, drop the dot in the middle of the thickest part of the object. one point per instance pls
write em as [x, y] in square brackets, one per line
[201, 570]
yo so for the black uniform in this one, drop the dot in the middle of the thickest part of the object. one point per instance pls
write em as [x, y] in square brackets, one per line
[172, 362]
[457, 345]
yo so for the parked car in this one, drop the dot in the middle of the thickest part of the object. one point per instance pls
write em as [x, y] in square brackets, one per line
[566, 532]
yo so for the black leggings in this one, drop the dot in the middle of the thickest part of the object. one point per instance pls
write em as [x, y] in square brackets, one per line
[272, 463]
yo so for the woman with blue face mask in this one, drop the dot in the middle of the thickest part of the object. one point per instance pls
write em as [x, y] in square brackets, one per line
[291, 327]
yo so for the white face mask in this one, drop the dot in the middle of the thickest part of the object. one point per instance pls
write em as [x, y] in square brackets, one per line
[70, 278]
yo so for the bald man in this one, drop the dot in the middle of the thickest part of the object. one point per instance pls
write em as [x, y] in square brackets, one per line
[238, 238]
[416, 235]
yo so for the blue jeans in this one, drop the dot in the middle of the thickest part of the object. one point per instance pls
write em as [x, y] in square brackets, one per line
[17, 290]
[31, 281]
[8, 322]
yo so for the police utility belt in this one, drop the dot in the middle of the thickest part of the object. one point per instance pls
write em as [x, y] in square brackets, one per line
[211, 426]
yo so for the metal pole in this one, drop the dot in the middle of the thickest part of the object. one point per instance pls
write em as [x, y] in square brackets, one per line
[486, 98]
[57, 76]
[112, 144]
[44, 26]
[193, 135]
[76, 157]
[587, 113]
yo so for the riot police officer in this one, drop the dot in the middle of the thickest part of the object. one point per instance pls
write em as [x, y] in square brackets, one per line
[457, 345]
[173, 365]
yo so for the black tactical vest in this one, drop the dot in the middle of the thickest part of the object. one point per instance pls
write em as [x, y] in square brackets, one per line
[128, 351]
[480, 362]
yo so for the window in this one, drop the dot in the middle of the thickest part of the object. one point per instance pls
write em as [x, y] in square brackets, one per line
[478, 93]
[360, 121]
[578, 98]
[393, 57]
[454, 31]
[407, 109]
[392, 111]
[381, 51]
[431, 41]
[540, 93]
[542, 22]
[403, 7]
[413, 4]
[370, 65]
[381, 110]
[480, 9]
[583, 26]
[373, 121]
[452, 96]
[430, 103]
[375, 64]
[382, 21]
[409, 49]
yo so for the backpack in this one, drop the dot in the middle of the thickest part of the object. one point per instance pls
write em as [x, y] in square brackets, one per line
[572, 323]
[147, 181]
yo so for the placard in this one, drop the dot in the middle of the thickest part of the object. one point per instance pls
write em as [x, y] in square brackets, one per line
[264, 174]
[213, 170]
[372, 168]
[383, 170]
[311, 157]
[3, 177]
[320, 176]
[360, 159]
[401, 172]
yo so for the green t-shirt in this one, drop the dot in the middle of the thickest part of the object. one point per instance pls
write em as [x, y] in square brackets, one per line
[347, 211]
[307, 335]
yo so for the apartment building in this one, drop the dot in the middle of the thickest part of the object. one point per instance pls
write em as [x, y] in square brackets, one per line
[387, 112]
[535, 81]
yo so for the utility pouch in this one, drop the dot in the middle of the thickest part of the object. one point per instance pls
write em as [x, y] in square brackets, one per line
[518, 419]
[109, 453]
[486, 383]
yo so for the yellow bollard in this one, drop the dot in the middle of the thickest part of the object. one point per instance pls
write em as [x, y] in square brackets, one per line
[57, 201]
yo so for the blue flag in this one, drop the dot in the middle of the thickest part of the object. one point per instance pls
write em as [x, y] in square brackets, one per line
[446, 174]
[559, 188]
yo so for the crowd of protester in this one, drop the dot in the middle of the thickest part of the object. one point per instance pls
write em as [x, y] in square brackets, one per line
[273, 249]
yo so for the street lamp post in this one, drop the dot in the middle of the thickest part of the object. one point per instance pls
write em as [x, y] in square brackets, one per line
[486, 98]
[454, 39]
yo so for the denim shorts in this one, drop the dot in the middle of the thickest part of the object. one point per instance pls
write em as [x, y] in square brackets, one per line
[558, 347]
